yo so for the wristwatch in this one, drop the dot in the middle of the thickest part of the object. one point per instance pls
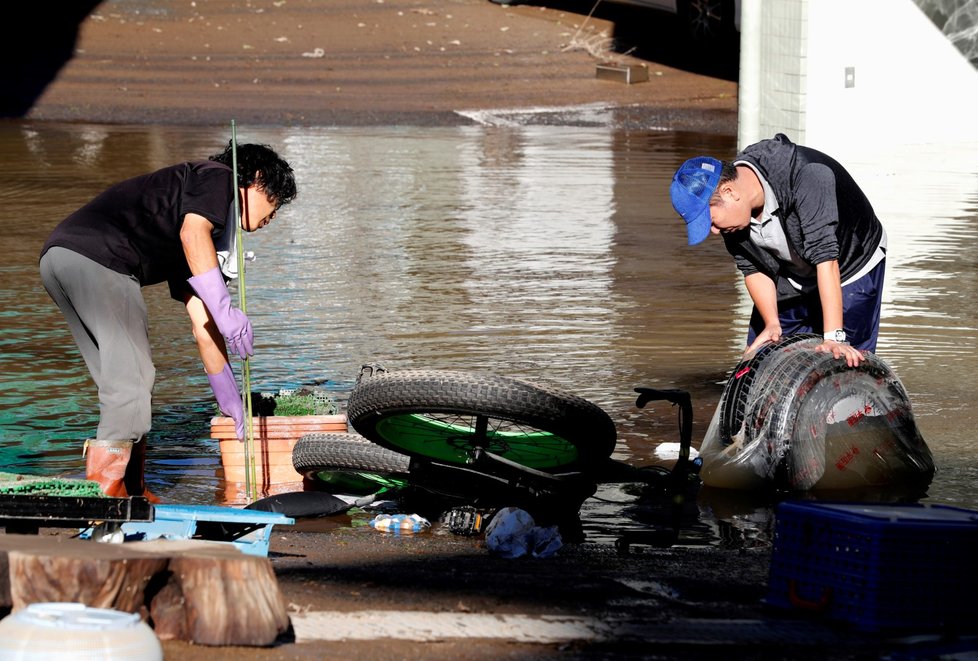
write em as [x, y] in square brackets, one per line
[838, 335]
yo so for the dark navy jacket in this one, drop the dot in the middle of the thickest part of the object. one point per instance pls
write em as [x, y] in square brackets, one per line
[824, 213]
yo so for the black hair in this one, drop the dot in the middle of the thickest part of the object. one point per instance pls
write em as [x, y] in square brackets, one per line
[728, 172]
[261, 166]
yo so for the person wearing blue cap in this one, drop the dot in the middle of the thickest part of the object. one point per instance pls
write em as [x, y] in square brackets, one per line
[802, 233]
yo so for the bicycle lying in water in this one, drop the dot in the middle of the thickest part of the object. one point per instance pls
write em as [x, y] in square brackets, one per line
[477, 442]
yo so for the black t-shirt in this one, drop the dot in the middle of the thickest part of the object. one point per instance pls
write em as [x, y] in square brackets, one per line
[134, 226]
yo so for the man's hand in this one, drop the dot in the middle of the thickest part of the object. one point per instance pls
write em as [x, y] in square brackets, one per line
[770, 333]
[852, 355]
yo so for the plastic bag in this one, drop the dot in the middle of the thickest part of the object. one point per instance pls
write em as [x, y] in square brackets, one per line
[513, 533]
[794, 418]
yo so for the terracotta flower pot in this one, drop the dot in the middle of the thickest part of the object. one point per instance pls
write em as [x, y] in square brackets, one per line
[275, 437]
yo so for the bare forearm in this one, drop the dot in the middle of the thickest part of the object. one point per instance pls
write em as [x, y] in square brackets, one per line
[210, 343]
[830, 295]
[764, 293]
[198, 246]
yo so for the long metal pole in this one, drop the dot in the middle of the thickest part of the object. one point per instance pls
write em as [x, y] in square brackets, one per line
[749, 82]
[251, 478]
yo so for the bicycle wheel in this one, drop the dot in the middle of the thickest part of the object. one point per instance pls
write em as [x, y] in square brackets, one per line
[350, 463]
[446, 416]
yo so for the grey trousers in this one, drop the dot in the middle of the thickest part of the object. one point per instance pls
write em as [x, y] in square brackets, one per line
[107, 317]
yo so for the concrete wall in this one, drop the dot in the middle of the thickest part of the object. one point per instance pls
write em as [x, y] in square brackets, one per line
[842, 74]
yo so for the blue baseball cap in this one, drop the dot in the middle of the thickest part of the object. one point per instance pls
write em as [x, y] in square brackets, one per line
[691, 189]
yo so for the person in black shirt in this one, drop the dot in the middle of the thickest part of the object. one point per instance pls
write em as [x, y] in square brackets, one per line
[175, 225]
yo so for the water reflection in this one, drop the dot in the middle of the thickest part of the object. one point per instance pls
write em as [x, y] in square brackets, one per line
[548, 253]
[928, 200]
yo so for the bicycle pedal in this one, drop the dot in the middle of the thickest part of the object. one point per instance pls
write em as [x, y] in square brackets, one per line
[465, 521]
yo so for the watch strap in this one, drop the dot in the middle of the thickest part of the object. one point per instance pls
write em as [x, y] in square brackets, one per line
[837, 335]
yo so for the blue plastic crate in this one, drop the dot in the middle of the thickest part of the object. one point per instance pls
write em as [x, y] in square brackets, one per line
[877, 567]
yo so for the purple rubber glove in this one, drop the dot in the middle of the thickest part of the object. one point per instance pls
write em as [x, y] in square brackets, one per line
[229, 398]
[232, 322]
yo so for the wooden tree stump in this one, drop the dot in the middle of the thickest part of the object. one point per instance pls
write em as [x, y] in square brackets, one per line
[223, 603]
[201, 592]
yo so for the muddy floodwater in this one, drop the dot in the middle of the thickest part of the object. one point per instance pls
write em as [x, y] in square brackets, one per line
[544, 252]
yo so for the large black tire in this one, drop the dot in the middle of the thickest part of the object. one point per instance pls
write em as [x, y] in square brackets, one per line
[733, 401]
[799, 419]
[349, 462]
[446, 415]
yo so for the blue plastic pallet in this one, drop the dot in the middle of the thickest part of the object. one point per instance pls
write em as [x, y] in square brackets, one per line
[247, 530]
[879, 567]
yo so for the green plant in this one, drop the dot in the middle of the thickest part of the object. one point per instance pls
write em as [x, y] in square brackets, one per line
[304, 401]
[303, 405]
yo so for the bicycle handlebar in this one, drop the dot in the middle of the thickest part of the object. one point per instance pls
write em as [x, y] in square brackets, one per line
[676, 396]
[685, 403]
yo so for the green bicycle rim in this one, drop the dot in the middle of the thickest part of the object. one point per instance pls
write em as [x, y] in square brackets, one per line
[452, 438]
[359, 483]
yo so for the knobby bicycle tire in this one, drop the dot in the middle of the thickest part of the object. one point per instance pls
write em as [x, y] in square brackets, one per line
[352, 464]
[349, 462]
[446, 416]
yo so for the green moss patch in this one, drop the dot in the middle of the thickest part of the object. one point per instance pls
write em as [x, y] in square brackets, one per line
[302, 401]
